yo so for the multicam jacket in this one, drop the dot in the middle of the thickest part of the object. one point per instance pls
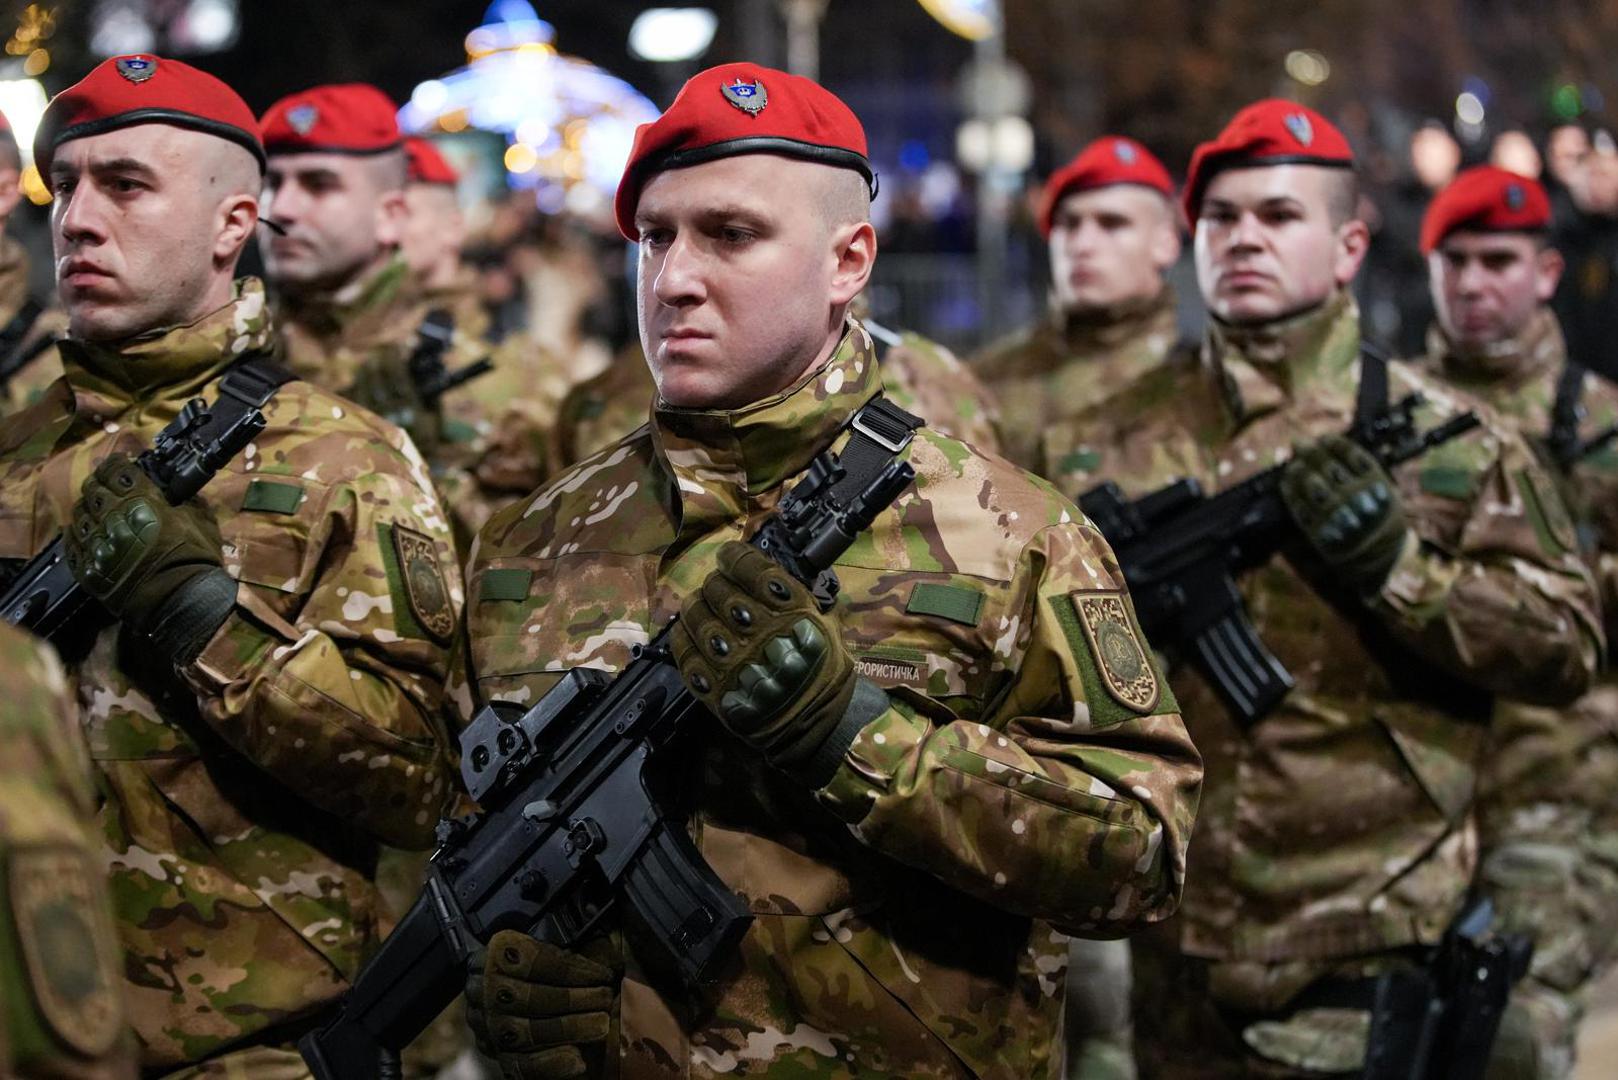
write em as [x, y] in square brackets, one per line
[59, 958]
[1341, 823]
[1020, 777]
[242, 798]
[1054, 370]
[27, 383]
[1549, 802]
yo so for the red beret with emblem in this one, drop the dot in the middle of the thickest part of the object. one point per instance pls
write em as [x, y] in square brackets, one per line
[1486, 199]
[144, 89]
[1111, 159]
[427, 165]
[1271, 132]
[743, 109]
[339, 118]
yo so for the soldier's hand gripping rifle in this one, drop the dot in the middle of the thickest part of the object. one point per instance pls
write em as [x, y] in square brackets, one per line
[1181, 550]
[571, 826]
[44, 597]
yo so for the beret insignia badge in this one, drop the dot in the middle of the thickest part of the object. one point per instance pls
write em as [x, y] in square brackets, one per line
[1124, 153]
[137, 69]
[750, 98]
[1300, 127]
[303, 118]
[1515, 197]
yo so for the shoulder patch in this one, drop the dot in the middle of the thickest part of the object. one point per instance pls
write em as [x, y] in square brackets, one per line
[423, 580]
[1125, 667]
[67, 947]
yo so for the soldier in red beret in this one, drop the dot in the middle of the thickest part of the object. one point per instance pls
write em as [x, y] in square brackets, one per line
[1334, 850]
[912, 801]
[1113, 227]
[29, 325]
[260, 666]
[435, 227]
[1549, 810]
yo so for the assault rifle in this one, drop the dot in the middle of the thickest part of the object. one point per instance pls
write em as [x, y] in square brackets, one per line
[44, 597]
[428, 372]
[573, 823]
[1181, 550]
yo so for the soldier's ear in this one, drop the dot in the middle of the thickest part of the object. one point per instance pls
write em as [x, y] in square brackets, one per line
[1548, 267]
[10, 191]
[392, 212]
[854, 247]
[238, 217]
[1353, 241]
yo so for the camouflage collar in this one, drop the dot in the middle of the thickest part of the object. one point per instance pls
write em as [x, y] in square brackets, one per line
[759, 446]
[173, 361]
[1087, 332]
[1517, 361]
[1260, 368]
[359, 302]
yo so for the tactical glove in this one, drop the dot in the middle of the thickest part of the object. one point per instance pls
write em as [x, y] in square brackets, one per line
[153, 565]
[542, 1012]
[385, 386]
[1348, 509]
[756, 649]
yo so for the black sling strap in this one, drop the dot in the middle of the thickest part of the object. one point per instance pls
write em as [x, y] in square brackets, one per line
[13, 356]
[1371, 396]
[878, 433]
[1566, 412]
[204, 438]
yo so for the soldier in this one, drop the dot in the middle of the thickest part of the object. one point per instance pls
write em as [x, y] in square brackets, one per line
[59, 956]
[28, 327]
[1114, 231]
[956, 766]
[1337, 841]
[1549, 807]
[263, 697]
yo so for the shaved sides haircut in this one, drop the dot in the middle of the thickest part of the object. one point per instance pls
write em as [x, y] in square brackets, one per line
[1342, 196]
[845, 199]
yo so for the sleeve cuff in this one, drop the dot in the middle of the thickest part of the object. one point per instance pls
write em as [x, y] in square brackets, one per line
[868, 702]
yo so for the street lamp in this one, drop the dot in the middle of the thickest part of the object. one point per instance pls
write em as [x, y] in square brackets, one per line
[672, 35]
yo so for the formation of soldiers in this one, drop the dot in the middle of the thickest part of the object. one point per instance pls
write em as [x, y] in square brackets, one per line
[982, 825]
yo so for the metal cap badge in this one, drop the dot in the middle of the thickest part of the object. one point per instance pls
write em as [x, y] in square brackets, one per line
[750, 98]
[303, 118]
[137, 69]
[1300, 127]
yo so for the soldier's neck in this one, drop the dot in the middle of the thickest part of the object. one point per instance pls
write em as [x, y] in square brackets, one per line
[1263, 365]
[1090, 329]
[1538, 348]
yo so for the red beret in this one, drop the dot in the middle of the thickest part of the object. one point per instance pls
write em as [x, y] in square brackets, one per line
[427, 165]
[144, 89]
[742, 109]
[1488, 199]
[1109, 160]
[1271, 132]
[343, 118]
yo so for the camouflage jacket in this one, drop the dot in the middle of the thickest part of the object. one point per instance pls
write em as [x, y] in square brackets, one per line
[1340, 824]
[1548, 809]
[1058, 368]
[903, 912]
[59, 960]
[32, 378]
[243, 797]
[918, 374]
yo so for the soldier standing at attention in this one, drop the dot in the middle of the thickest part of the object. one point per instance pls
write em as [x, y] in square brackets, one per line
[1337, 840]
[1114, 231]
[29, 326]
[945, 776]
[262, 693]
[1549, 805]
[59, 958]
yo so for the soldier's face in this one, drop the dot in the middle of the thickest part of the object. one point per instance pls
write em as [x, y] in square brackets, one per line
[433, 232]
[742, 278]
[146, 227]
[1110, 247]
[343, 214]
[1267, 246]
[1487, 286]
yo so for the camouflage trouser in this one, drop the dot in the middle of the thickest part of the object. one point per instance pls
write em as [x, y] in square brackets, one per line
[1099, 1034]
[258, 1063]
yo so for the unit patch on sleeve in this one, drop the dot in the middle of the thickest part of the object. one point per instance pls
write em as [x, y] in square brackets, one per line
[1121, 658]
[424, 582]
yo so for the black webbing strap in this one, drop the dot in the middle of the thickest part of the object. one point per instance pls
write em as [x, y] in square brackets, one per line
[878, 433]
[1371, 396]
[250, 383]
[1566, 412]
[12, 355]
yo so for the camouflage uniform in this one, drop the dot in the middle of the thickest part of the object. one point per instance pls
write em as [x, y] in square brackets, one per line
[918, 374]
[1045, 375]
[64, 1014]
[1338, 831]
[28, 383]
[1040, 787]
[1548, 807]
[244, 795]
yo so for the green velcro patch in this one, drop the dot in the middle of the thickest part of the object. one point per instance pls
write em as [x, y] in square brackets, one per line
[459, 431]
[508, 584]
[1079, 461]
[1449, 482]
[277, 498]
[947, 602]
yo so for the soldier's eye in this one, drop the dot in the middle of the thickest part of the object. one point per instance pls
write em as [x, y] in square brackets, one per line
[732, 235]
